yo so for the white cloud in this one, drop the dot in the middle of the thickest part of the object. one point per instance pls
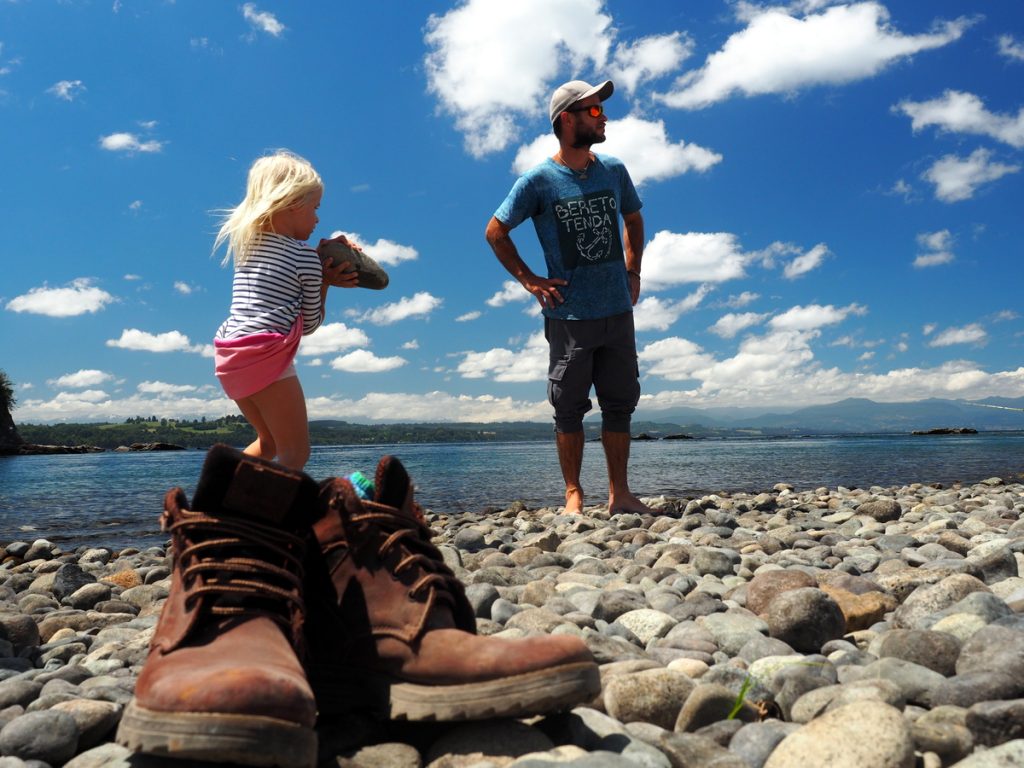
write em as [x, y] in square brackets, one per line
[779, 53]
[902, 189]
[968, 334]
[529, 363]
[386, 252]
[865, 356]
[82, 378]
[780, 369]
[419, 305]
[129, 142]
[695, 257]
[364, 361]
[938, 249]
[741, 300]
[769, 255]
[77, 298]
[86, 396]
[511, 290]
[965, 113]
[648, 58]
[936, 241]
[142, 341]
[957, 179]
[469, 316]
[94, 405]
[762, 364]
[654, 314]
[183, 288]
[431, 406]
[1011, 48]
[163, 389]
[330, 338]
[642, 145]
[490, 68]
[264, 21]
[929, 328]
[813, 316]
[68, 90]
[925, 260]
[674, 358]
[727, 326]
[9, 66]
[412, 344]
[806, 262]
[135, 205]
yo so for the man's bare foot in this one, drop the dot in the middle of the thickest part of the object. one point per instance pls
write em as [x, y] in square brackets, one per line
[574, 501]
[626, 502]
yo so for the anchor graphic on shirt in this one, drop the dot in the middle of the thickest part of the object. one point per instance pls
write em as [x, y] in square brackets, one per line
[599, 245]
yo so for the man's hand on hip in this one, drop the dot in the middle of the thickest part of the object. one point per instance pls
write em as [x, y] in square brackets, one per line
[545, 290]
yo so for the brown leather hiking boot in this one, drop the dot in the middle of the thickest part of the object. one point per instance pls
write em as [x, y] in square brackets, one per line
[390, 628]
[223, 681]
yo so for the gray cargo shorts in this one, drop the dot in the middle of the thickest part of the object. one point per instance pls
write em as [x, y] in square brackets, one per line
[601, 353]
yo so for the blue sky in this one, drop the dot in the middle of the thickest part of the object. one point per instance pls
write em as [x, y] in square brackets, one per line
[832, 196]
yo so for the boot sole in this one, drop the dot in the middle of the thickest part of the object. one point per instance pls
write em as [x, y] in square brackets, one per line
[534, 693]
[247, 740]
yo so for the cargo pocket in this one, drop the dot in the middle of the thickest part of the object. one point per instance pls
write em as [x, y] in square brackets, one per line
[555, 376]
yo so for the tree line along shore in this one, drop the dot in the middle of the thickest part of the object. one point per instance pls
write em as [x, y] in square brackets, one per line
[234, 430]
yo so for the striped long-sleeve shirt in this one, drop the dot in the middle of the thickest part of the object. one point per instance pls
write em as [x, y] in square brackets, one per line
[281, 278]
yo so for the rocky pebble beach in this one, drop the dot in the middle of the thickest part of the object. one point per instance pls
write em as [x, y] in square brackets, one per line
[847, 628]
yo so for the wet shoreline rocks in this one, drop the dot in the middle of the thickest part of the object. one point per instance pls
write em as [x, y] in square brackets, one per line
[831, 627]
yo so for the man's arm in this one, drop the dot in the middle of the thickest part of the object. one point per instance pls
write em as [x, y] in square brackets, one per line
[544, 289]
[633, 236]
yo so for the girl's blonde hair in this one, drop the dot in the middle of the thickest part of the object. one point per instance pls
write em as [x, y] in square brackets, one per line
[276, 182]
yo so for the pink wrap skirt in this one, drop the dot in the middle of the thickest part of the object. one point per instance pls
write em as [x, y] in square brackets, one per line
[250, 363]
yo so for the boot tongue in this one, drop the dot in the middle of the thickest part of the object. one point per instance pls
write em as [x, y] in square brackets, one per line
[393, 486]
[244, 486]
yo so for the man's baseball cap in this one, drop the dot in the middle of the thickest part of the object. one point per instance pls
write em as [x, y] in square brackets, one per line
[569, 93]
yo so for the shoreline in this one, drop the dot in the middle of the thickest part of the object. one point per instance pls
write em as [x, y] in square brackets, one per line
[888, 620]
[114, 499]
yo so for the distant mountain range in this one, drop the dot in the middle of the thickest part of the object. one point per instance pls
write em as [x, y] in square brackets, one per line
[852, 415]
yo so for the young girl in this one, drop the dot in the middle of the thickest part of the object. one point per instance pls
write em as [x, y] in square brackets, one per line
[277, 297]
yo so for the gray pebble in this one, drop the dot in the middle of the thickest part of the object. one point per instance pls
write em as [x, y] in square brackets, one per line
[49, 736]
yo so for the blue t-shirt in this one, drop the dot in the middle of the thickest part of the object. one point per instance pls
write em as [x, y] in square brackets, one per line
[577, 223]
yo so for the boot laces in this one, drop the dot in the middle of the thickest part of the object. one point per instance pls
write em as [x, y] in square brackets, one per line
[245, 567]
[413, 540]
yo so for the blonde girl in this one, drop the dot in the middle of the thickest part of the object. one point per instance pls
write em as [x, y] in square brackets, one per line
[277, 296]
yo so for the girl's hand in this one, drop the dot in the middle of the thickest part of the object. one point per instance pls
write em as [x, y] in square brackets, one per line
[339, 239]
[342, 275]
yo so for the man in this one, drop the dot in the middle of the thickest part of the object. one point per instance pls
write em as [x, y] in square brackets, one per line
[575, 199]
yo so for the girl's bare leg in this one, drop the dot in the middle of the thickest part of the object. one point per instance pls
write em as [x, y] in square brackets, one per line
[278, 414]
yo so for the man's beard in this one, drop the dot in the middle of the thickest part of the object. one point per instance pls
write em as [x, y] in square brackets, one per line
[586, 136]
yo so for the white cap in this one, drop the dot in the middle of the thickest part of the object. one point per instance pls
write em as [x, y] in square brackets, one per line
[569, 93]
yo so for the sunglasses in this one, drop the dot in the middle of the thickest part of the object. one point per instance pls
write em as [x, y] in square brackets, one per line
[594, 110]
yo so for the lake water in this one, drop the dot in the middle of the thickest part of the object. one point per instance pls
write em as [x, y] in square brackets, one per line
[114, 499]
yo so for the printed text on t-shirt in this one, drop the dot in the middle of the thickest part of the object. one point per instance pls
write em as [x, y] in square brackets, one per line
[588, 229]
